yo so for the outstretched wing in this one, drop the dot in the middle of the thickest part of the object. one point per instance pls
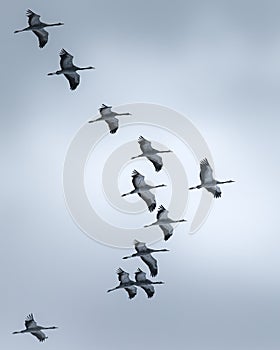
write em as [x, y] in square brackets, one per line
[215, 190]
[149, 289]
[74, 79]
[33, 18]
[162, 213]
[140, 246]
[30, 322]
[42, 35]
[39, 335]
[66, 60]
[149, 198]
[123, 276]
[151, 262]
[137, 179]
[145, 145]
[105, 110]
[132, 291]
[140, 276]
[113, 124]
[167, 230]
[156, 160]
[206, 172]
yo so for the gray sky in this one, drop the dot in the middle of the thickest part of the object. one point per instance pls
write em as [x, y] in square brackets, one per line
[216, 62]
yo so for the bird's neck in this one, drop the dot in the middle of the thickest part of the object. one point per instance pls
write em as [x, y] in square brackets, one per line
[52, 24]
[83, 68]
[48, 327]
[122, 114]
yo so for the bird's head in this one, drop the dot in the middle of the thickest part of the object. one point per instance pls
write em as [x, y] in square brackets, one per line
[91, 67]
[60, 24]
[231, 181]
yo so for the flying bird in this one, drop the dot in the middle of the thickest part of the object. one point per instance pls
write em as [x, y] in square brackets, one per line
[145, 254]
[144, 283]
[69, 69]
[143, 190]
[165, 222]
[37, 27]
[32, 327]
[150, 153]
[125, 283]
[208, 181]
[109, 117]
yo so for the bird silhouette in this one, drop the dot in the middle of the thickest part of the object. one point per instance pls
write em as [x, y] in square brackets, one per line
[69, 69]
[37, 27]
[207, 180]
[32, 327]
[109, 117]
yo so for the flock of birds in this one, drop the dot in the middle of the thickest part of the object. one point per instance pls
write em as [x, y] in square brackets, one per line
[66, 59]
[162, 219]
[69, 70]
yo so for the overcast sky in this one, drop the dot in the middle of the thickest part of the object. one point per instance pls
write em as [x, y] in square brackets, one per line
[216, 62]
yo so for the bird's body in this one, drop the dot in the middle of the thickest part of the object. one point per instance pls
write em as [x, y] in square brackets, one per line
[125, 283]
[164, 222]
[69, 69]
[32, 327]
[207, 180]
[144, 283]
[145, 254]
[109, 117]
[150, 153]
[143, 190]
[37, 27]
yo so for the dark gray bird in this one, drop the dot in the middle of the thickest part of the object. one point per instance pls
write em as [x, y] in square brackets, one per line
[207, 180]
[69, 69]
[109, 117]
[125, 283]
[145, 254]
[143, 190]
[32, 327]
[150, 153]
[144, 283]
[37, 27]
[165, 222]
